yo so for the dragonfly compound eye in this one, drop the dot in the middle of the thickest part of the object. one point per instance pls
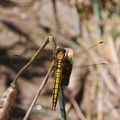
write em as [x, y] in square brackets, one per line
[61, 50]
[64, 51]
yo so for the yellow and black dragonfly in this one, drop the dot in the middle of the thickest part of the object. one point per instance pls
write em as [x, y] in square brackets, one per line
[63, 68]
[62, 65]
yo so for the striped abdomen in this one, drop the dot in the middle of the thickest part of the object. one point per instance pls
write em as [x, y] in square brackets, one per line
[57, 80]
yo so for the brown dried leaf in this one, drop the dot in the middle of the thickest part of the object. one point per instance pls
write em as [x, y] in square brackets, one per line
[6, 102]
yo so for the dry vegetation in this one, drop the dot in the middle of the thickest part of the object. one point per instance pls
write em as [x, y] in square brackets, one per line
[93, 91]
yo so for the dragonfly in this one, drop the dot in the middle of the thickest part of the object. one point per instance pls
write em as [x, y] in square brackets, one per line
[62, 72]
[62, 65]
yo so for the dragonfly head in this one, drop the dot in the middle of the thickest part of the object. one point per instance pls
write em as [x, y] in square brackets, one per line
[61, 52]
[65, 52]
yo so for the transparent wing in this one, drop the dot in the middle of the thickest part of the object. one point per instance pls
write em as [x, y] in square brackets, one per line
[72, 55]
[78, 54]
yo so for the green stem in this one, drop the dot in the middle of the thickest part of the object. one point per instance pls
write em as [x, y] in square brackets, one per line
[62, 104]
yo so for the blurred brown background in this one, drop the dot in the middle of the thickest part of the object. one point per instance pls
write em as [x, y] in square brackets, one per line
[77, 24]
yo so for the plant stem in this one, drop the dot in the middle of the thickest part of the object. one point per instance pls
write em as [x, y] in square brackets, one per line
[62, 104]
[29, 62]
[38, 93]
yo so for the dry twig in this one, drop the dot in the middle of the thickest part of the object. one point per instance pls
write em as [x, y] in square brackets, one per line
[37, 94]
[41, 86]
[76, 106]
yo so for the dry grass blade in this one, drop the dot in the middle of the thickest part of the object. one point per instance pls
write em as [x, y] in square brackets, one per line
[42, 85]
[54, 2]
[31, 60]
[53, 44]
[75, 105]
[38, 93]
[100, 113]
[6, 102]
[110, 105]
